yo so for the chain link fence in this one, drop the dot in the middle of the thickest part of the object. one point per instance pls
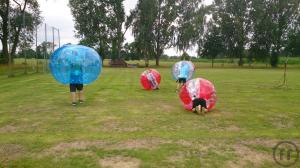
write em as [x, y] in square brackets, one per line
[34, 56]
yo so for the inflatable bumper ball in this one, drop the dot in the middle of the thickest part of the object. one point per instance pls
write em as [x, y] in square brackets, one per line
[150, 79]
[183, 69]
[201, 88]
[75, 64]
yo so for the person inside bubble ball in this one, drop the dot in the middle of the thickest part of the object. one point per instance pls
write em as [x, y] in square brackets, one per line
[198, 104]
[182, 77]
[76, 80]
[152, 80]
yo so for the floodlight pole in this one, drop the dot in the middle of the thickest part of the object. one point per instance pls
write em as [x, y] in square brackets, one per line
[10, 72]
[53, 39]
[36, 54]
[45, 49]
[58, 38]
[25, 56]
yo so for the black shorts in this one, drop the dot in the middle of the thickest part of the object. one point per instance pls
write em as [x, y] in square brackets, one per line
[199, 102]
[181, 80]
[76, 87]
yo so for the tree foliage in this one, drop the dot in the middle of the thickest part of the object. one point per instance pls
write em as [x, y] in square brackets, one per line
[18, 19]
[99, 24]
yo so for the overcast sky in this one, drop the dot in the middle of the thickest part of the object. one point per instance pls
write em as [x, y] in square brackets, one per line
[57, 13]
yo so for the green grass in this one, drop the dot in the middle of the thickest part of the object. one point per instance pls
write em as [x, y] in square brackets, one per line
[39, 127]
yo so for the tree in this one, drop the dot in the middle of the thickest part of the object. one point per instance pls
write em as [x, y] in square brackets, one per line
[185, 56]
[131, 51]
[143, 26]
[164, 28]
[17, 23]
[106, 19]
[293, 44]
[233, 18]
[261, 28]
[158, 17]
[213, 43]
[187, 32]
[284, 14]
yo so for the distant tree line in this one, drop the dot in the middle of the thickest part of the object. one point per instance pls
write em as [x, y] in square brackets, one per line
[256, 30]
[252, 30]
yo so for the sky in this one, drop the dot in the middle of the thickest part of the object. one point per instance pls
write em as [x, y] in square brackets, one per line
[56, 13]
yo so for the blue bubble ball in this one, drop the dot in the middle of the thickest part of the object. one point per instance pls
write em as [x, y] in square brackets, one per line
[183, 69]
[75, 64]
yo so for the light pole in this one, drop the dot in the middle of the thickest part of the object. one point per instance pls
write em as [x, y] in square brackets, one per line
[25, 56]
[10, 72]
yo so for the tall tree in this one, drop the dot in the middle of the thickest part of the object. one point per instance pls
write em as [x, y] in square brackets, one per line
[164, 28]
[143, 26]
[18, 20]
[233, 18]
[261, 28]
[187, 31]
[284, 14]
[213, 43]
[106, 19]
[160, 22]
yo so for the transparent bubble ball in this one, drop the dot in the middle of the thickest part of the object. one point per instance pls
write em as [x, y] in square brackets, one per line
[75, 64]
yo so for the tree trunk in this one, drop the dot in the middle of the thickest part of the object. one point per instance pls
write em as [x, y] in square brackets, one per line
[241, 61]
[157, 56]
[157, 61]
[146, 59]
[15, 44]
[4, 39]
[158, 45]
[4, 50]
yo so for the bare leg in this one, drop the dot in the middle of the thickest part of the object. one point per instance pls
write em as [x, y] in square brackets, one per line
[81, 96]
[200, 109]
[178, 85]
[73, 97]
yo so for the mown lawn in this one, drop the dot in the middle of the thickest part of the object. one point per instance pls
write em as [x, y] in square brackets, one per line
[120, 124]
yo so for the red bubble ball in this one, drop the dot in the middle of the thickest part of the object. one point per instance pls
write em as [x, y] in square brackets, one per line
[201, 88]
[150, 79]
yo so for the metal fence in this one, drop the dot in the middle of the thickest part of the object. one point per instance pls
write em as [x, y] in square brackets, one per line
[34, 57]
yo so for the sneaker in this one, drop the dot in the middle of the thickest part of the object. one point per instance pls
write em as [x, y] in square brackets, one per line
[80, 101]
[74, 103]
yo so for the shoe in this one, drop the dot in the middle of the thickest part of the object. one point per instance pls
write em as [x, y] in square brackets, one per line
[80, 101]
[74, 103]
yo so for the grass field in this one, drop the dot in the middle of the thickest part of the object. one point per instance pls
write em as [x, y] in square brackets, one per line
[122, 125]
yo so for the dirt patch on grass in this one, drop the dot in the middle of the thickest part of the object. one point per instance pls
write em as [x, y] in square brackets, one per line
[247, 156]
[165, 108]
[178, 157]
[185, 143]
[112, 125]
[10, 152]
[231, 128]
[119, 162]
[77, 145]
[8, 129]
[282, 122]
[270, 143]
[139, 144]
